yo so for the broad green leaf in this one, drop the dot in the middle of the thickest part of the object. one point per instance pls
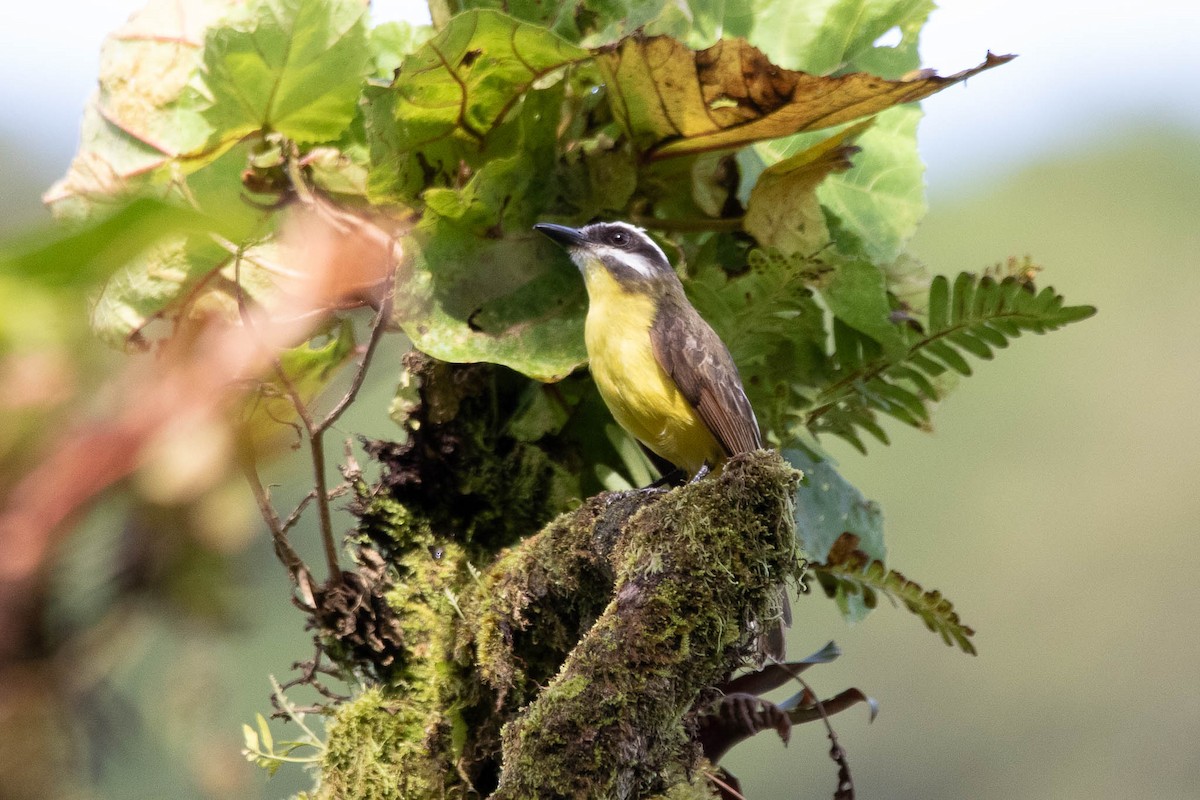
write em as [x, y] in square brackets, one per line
[467, 77]
[783, 211]
[292, 66]
[390, 43]
[880, 200]
[674, 101]
[146, 113]
[515, 301]
[594, 23]
[857, 296]
[827, 506]
[516, 184]
[597, 181]
[827, 36]
[450, 97]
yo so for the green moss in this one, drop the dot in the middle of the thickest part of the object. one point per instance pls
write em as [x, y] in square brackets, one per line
[588, 642]
[375, 751]
[461, 475]
[535, 600]
[697, 572]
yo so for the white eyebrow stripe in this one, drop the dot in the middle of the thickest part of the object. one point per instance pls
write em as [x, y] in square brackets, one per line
[635, 261]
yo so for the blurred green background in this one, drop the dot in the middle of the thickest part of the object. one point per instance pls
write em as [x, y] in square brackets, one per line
[1054, 503]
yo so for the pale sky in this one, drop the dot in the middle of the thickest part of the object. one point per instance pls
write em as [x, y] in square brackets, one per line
[1085, 68]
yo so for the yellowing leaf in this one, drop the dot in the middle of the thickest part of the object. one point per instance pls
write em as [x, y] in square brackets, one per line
[783, 211]
[146, 112]
[675, 101]
[470, 73]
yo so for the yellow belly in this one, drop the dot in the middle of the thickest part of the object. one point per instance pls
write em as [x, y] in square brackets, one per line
[641, 396]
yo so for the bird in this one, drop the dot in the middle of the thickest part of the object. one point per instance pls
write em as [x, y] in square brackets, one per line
[664, 373]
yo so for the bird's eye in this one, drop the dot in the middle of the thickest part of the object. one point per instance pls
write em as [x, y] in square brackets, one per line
[618, 238]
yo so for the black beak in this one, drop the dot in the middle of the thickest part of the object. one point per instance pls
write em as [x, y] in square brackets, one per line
[567, 237]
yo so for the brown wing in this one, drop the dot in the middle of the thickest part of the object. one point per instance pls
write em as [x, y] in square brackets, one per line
[690, 351]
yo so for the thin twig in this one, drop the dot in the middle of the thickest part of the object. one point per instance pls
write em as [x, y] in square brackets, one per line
[283, 549]
[845, 788]
[378, 324]
[294, 517]
[316, 448]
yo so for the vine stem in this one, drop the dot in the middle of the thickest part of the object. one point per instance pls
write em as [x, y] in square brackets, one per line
[314, 430]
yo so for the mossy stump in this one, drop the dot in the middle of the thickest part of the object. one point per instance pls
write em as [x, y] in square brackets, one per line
[575, 664]
[696, 576]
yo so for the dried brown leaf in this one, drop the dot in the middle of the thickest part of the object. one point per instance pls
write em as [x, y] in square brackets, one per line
[675, 101]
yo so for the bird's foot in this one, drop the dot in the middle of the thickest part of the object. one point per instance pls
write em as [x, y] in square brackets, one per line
[700, 473]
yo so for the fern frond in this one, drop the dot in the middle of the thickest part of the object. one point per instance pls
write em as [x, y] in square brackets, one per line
[849, 571]
[974, 316]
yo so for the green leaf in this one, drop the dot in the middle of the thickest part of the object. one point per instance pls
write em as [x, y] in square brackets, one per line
[848, 573]
[827, 506]
[540, 412]
[145, 287]
[515, 301]
[250, 739]
[594, 23]
[509, 192]
[881, 199]
[292, 66]
[86, 254]
[858, 297]
[467, 76]
[146, 113]
[390, 43]
[827, 36]
[450, 98]
[264, 732]
[975, 315]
